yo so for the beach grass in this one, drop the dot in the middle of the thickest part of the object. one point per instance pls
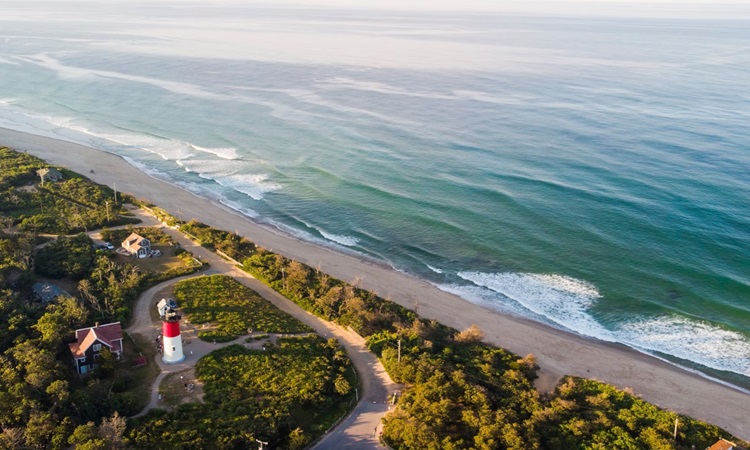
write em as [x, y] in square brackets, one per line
[160, 264]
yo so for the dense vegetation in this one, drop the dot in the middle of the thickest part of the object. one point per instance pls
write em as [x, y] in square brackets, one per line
[42, 403]
[233, 308]
[275, 395]
[107, 288]
[71, 205]
[590, 414]
[229, 243]
[17, 168]
[66, 257]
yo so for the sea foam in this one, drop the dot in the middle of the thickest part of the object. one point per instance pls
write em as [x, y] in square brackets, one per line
[434, 269]
[221, 152]
[253, 185]
[229, 174]
[348, 241]
[562, 300]
[565, 302]
[689, 339]
[166, 149]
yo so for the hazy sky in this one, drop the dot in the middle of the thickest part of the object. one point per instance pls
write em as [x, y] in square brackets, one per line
[644, 8]
[707, 9]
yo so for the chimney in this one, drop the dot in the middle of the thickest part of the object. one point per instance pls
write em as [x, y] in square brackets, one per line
[96, 324]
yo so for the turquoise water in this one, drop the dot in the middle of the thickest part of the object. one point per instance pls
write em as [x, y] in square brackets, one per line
[590, 173]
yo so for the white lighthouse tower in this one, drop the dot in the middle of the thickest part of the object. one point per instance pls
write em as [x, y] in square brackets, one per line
[172, 341]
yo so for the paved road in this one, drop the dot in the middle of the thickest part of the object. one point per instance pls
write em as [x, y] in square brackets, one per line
[360, 430]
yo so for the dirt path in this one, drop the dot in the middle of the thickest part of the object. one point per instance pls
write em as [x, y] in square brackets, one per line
[359, 430]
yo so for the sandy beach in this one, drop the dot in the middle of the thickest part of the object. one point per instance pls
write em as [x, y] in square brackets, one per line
[558, 353]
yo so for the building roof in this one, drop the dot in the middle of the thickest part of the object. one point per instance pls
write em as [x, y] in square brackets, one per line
[165, 305]
[49, 172]
[140, 361]
[47, 291]
[723, 444]
[109, 335]
[135, 242]
[162, 306]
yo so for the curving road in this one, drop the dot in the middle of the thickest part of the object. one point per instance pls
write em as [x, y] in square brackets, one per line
[361, 428]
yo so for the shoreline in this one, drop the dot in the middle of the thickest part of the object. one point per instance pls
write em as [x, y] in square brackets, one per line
[557, 352]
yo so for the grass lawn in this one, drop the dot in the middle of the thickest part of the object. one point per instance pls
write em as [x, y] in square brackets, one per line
[158, 264]
[231, 308]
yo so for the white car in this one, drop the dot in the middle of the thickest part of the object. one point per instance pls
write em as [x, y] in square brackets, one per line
[109, 246]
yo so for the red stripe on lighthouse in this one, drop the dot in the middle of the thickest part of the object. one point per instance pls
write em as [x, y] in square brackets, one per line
[170, 329]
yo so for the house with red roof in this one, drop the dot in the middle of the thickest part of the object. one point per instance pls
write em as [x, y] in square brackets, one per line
[137, 245]
[91, 341]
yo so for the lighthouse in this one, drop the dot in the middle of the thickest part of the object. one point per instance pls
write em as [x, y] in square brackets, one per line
[170, 325]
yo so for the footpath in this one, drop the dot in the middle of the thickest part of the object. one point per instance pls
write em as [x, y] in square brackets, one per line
[359, 430]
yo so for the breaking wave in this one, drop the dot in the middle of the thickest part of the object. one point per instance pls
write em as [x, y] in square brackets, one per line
[565, 302]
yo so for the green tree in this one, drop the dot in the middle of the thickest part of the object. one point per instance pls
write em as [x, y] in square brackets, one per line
[341, 385]
[67, 256]
[106, 362]
[86, 437]
[60, 321]
[297, 439]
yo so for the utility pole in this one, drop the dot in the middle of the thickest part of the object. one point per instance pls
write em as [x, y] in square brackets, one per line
[261, 443]
[115, 184]
[676, 421]
[283, 277]
[399, 351]
[107, 204]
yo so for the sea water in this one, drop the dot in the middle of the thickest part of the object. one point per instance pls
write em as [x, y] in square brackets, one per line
[591, 173]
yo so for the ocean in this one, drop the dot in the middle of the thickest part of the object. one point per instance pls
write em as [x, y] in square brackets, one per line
[591, 173]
